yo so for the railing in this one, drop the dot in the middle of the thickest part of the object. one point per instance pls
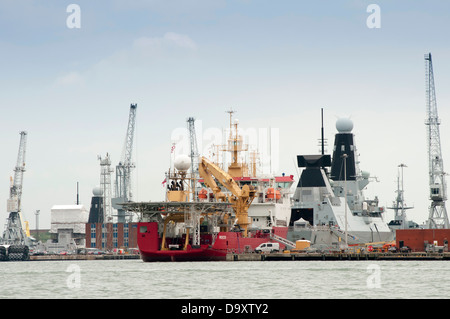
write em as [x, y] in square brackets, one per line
[282, 240]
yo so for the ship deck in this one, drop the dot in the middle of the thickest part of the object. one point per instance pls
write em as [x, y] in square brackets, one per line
[174, 207]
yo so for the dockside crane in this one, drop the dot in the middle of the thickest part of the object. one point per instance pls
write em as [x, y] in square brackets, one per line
[438, 189]
[240, 198]
[123, 191]
[194, 154]
[14, 233]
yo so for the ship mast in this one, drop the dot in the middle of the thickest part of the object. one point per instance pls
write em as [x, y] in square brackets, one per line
[438, 193]
[399, 205]
[235, 146]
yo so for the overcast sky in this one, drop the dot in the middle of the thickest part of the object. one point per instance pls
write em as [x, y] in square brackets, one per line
[276, 63]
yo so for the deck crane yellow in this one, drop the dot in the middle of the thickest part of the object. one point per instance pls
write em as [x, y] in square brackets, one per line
[240, 198]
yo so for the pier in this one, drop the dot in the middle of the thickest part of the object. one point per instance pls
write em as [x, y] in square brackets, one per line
[280, 256]
[84, 257]
[338, 256]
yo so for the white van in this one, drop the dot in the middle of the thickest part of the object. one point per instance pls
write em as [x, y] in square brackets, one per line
[268, 248]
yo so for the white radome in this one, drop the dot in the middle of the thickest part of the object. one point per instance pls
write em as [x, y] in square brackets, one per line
[182, 162]
[344, 125]
[97, 191]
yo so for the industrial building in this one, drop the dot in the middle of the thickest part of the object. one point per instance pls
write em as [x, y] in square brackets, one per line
[68, 228]
[423, 239]
[108, 236]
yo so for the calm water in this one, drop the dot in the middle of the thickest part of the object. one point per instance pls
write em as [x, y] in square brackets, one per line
[135, 279]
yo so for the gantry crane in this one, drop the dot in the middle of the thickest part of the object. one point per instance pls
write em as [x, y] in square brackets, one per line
[438, 190]
[14, 232]
[124, 168]
[240, 199]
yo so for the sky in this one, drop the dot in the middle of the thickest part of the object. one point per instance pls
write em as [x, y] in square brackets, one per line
[276, 63]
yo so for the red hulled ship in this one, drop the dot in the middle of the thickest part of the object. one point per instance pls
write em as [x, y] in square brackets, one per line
[206, 216]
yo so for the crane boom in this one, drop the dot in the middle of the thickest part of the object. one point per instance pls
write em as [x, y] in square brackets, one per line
[240, 199]
[14, 232]
[16, 188]
[438, 191]
[124, 168]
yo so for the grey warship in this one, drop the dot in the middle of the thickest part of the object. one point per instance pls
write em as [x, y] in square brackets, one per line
[321, 213]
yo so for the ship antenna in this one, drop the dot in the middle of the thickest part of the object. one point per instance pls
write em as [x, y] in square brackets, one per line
[323, 143]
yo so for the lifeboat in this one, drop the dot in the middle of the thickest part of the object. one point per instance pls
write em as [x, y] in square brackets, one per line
[203, 194]
[273, 194]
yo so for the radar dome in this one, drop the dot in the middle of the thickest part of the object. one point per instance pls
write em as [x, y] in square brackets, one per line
[182, 162]
[344, 125]
[365, 174]
[97, 191]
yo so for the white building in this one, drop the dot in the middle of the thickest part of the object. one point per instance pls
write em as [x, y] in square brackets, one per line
[68, 226]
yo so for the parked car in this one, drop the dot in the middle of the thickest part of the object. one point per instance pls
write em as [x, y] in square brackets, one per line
[268, 248]
[405, 249]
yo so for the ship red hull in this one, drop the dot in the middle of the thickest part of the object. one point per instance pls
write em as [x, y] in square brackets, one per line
[226, 243]
[204, 253]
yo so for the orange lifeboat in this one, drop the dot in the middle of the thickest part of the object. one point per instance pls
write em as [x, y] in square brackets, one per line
[271, 194]
[203, 194]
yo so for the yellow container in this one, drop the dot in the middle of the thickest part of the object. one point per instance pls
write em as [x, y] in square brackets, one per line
[302, 244]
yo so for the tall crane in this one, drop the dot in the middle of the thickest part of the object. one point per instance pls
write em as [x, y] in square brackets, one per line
[124, 168]
[194, 153]
[438, 190]
[14, 232]
[240, 198]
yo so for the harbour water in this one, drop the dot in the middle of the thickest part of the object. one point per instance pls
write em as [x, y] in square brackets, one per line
[134, 279]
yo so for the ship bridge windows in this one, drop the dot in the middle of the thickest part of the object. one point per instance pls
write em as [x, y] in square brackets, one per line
[283, 184]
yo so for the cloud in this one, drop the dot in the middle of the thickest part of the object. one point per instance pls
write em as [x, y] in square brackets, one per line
[72, 78]
[142, 51]
[169, 40]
